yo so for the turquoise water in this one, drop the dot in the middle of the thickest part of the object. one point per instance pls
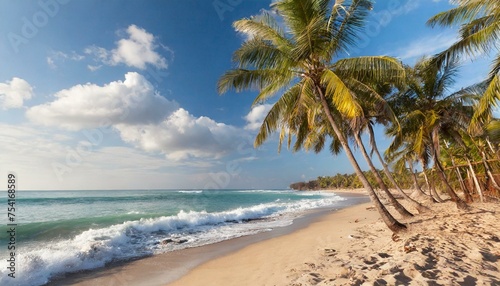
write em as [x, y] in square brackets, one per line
[68, 231]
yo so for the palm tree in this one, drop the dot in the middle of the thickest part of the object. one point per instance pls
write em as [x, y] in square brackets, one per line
[376, 109]
[479, 31]
[421, 208]
[429, 113]
[405, 154]
[314, 136]
[298, 62]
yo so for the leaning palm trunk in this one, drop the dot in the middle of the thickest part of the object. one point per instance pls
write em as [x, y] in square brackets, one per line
[465, 189]
[389, 220]
[476, 181]
[415, 181]
[439, 169]
[489, 172]
[432, 190]
[418, 206]
[492, 149]
[399, 208]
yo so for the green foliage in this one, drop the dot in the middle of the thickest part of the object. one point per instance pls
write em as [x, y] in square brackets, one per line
[350, 181]
[479, 34]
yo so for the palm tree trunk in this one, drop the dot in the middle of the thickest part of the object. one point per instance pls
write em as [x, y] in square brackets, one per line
[418, 206]
[488, 171]
[491, 148]
[415, 180]
[439, 168]
[388, 219]
[397, 205]
[476, 181]
[465, 189]
[424, 172]
[432, 191]
[468, 196]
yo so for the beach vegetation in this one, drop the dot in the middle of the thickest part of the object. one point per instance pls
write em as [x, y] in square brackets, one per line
[300, 51]
[297, 56]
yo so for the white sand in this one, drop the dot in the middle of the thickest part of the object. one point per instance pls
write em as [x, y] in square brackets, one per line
[353, 247]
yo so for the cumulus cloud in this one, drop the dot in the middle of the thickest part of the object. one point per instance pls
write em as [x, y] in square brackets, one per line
[182, 136]
[256, 116]
[13, 93]
[138, 50]
[132, 101]
[142, 117]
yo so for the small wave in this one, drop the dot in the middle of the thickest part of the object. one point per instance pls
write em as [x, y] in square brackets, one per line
[135, 212]
[266, 191]
[191, 192]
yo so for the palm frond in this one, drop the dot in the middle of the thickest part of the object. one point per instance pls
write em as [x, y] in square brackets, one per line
[260, 54]
[377, 69]
[274, 117]
[264, 27]
[346, 24]
[489, 100]
[467, 10]
[244, 79]
[340, 95]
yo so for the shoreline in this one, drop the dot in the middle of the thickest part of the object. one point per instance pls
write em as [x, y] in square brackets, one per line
[347, 245]
[167, 267]
[446, 246]
[276, 260]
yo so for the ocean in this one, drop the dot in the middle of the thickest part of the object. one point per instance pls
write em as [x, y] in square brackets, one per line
[60, 232]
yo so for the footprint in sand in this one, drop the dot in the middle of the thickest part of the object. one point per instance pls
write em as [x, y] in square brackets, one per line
[372, 260]
[316, 277]
[384, 255]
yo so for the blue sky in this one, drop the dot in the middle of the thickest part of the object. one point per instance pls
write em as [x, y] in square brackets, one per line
[122, 94]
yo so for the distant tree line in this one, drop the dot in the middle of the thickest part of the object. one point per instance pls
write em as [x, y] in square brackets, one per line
[349, 181]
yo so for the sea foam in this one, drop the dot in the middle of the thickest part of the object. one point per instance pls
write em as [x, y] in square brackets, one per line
[95, 248]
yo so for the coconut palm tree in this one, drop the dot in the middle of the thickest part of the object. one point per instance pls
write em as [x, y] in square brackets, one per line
[314, 136]
[377, 110]
[300, 60]
[430, 113]
[479, 34]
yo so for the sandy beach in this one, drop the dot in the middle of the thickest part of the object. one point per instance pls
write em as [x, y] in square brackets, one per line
[353, 247]
[350, 246]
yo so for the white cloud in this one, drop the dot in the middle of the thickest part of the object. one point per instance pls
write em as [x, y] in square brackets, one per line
[13, 93]
[94, 67]
[44, 160]
[59, 56]
[138, 50]
[429, 45]
[142, 117]
[183, 136]
[132, 101]
[256, 116]
[51, 63]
